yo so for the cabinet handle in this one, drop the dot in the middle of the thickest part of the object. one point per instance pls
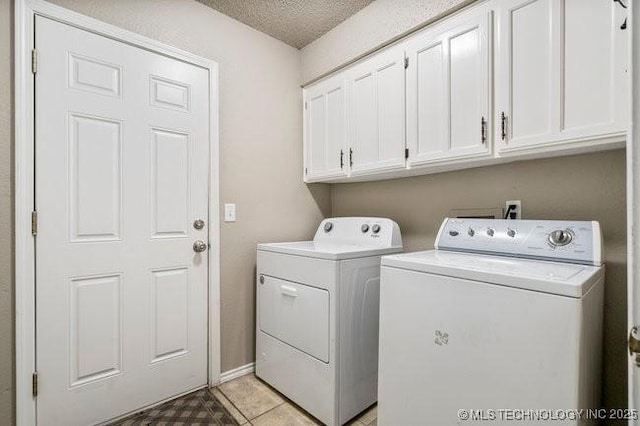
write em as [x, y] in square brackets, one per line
[341, 159]
[503, 125]
[483, 130]
[350, 157]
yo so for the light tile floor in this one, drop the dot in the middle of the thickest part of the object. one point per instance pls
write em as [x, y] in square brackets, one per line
[252, 402]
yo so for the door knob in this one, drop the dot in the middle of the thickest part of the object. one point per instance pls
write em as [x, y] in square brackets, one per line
[199, 246]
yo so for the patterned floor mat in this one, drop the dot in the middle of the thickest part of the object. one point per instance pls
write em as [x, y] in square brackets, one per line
[198, 408]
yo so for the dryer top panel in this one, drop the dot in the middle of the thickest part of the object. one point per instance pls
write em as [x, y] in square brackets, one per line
[346, 238]
[553, 240]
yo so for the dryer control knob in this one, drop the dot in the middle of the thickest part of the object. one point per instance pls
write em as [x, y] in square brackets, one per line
[375, 228]
[328, 227]
[560, 237]
[511, 233]
[364, 228]
[490, 232]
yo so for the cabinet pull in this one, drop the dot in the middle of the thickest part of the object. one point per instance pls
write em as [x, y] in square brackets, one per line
[341, 159]
[350, 157]
[483, 130]
[503, 125]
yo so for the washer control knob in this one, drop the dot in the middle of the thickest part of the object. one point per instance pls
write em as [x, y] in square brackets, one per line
[560, 237]
[375, 228]
[511, 233]
[490, 232]
[453, 233]
[471, 232]
[328, 227]
[364, 228]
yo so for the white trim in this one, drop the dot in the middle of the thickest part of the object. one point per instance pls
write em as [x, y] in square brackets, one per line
[243, 370]
[25, 11]
[633, 209]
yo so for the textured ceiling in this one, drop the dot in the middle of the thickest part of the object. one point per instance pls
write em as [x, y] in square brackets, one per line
[296, 22]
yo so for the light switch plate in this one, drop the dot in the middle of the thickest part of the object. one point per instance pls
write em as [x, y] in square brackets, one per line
[229, 212]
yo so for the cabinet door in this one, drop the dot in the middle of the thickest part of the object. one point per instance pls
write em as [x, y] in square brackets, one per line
[595, 66]
[528, 72]
[325, 130]
[562, 76]
[376, 113]
[448, 90]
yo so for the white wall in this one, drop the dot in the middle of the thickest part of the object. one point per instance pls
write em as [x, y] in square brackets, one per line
[371, 27]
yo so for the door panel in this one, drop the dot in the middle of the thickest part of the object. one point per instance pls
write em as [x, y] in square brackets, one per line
[557, 82]
[532, 69]
[448, 90]
[469, 87]
[528, 73]
[296, 314]
[376, 113]
[325, 130]
[121, 174]
[595, 68]
[364, 141]
[428, 101]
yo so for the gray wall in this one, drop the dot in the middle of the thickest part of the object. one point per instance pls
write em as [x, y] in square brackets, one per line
[260, 151]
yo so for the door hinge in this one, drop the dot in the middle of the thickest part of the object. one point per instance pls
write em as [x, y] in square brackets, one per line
[34, 223]
[350, 158]
[34, 61]
[406, 63]
[406, 153]
[305, 170]
[34, 384]
[306, 105]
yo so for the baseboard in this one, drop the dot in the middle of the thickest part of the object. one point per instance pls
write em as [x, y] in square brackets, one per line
[237, 372]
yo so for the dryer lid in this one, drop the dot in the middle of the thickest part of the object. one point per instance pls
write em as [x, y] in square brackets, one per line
[328, 250]
[565, 279]
[346, 238]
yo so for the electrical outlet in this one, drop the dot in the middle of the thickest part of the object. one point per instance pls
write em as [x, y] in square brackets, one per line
[510, 213]
[229, 212]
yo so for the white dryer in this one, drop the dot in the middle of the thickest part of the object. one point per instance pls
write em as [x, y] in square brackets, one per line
[317, 315]
[503, 315]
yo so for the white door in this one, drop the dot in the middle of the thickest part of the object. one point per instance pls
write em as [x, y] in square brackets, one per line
[121, 175]
[562, 72]
[448, 90]
[596, 68]
[376, 113]
[325, 129]
[528, 72]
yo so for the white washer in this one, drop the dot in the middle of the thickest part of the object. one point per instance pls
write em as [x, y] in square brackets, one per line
[317, 315]
[504, 314]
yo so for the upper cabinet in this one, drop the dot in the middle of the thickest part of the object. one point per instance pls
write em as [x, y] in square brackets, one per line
[499, 81]
[561, 74]
[325, 130]
[376, 113]
[448, 90]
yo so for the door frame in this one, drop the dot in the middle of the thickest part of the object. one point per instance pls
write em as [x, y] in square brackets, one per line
[633, 208]
[25, 332]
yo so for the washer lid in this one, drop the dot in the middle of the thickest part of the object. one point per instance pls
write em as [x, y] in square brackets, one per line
[329, 250]
[563, 279]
